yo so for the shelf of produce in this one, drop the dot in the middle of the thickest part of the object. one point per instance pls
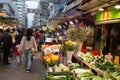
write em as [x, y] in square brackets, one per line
[91, 67]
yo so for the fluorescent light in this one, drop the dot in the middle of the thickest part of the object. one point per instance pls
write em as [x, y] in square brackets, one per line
[63, 26]
[76, 20]
[117, 6]
[71, 22]
[65, 23]
[60, 26]
[101, 9]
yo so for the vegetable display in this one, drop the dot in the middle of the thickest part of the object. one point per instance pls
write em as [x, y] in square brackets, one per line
[74, 66]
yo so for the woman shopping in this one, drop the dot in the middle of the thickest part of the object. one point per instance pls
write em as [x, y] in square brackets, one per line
[28, 43]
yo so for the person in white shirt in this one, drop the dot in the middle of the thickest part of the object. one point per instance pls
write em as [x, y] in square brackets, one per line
[28, 42]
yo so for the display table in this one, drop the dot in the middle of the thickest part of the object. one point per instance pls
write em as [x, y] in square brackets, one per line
[91, 67]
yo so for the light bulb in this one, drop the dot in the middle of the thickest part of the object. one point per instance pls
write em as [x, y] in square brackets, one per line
[71, 22]
[117, 6]
[101, 9]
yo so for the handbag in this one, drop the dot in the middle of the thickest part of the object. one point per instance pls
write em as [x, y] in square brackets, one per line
[32, 50]
[16, 50]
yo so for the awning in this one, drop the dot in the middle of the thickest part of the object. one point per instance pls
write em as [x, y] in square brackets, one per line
[94, 5]
[9, 20]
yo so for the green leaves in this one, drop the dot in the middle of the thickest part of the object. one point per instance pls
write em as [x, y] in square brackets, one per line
[79, 34]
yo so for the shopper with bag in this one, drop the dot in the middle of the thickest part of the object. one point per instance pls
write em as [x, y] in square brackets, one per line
[27, 43]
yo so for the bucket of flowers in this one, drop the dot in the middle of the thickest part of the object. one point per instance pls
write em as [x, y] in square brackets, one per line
[70, 47]
[51, 59]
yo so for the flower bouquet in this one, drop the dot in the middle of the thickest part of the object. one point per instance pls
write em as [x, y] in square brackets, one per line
[79, 35]
[51, 59]
[70, 45]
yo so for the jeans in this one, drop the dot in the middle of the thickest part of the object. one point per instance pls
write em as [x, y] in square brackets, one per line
[18, 58]
[28, 57]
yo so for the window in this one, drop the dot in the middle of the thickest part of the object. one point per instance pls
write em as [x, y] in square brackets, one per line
[1, 6]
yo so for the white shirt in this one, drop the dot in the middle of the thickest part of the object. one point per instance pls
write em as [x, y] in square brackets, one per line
[25, 45]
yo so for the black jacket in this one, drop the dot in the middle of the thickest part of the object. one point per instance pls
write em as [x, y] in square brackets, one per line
[6, 40]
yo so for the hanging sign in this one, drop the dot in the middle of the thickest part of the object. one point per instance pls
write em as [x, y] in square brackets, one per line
[108, 15]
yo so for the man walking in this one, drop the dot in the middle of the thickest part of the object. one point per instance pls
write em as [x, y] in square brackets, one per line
[6, 40]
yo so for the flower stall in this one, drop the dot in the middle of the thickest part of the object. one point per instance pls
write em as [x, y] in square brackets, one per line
[88, 66]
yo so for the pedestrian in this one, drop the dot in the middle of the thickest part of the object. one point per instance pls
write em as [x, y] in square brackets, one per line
[42, 40]
[1, 46]
[18, 36]
[6, 40]
[37, 38]
[18, 55]
[13, 34]
[27, 43]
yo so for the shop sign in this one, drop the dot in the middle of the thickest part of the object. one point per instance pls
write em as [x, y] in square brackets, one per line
[108, 15]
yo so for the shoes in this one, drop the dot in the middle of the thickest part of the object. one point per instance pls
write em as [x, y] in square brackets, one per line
[28, 70]
[6, 63]
[19, 64]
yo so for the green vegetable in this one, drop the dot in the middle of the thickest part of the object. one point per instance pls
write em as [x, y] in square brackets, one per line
[85, 74]
[74, 66]
[59, 73]
[97, 78]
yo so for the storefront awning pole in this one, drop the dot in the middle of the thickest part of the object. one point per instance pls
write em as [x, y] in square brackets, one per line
[101, 43]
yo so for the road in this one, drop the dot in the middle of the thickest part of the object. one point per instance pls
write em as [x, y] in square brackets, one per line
[12, 72]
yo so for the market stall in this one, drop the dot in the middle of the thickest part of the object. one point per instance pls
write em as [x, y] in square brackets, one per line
[8, 22]
[89, 63]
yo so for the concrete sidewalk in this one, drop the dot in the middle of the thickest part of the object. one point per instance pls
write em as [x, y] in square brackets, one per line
[12, 72]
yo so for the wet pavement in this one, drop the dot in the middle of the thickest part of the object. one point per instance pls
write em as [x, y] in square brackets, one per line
[12, 72]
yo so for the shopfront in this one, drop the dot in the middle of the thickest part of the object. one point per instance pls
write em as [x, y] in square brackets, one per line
[110, 22]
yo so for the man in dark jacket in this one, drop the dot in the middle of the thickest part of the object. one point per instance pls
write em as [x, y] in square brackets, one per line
[6, 40]
[18, 37]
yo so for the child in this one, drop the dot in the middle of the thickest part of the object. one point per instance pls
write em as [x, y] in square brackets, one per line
[18, 55]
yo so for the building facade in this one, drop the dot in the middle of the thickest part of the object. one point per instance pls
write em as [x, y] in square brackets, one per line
[8, 9]
[44, 14]
[36, 21]
[22, 12]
